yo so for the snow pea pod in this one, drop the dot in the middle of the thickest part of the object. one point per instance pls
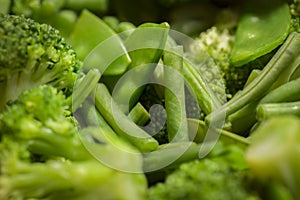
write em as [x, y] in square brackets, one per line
[263, 26]
[145, 47]
[98, 45]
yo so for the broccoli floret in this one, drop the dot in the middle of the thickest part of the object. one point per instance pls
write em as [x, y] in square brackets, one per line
[218, 43]
[40, 119]
[44, 155]
[33, 54]
[203, 179]
[295, 16]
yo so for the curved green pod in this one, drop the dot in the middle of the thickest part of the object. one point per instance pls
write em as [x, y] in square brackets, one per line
[98, 46]
[263, 26]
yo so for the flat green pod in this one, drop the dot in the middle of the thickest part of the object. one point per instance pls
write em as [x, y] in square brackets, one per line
[263, 26]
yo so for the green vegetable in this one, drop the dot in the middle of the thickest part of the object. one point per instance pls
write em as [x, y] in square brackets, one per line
[220, 77]
[273, 153]
[278, 71]
[99, 6]
[44, 156]
[5, 5]
[243, 119]
[61, 179]
[75, 123]
[124, 29]
[84, 87]
[268, 110]
[35, 54]
[171, 155]
[47, 11]
[177, 127]
[61, 14]
[145, 47]
[120, 122]
[139, 114]
[98, 45]
[204, 179]
[43, 126]
[154, 103]
[284, 93]
[262, 27]
[207, 99]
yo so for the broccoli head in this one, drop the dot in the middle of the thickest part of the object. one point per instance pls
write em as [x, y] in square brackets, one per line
[203, 179]
[44, 155]
[218, 43]
[40, 119]
[33, 54]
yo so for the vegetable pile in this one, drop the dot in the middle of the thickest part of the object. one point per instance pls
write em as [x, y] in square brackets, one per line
[169, 103]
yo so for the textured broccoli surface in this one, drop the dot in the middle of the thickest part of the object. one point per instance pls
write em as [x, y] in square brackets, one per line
[43, 156]
[39, 119]
[33, 54]
[218, 43]
[295, 13]
[203, 179]
[23, 178]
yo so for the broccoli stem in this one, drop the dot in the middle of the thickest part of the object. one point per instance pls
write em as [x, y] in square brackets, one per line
[55, 145]
[177, 126]
[268, 110]
[278, 71]
[68, 180]
[120, 122]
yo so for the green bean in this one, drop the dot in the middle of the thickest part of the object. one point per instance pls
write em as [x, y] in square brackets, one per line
[207, 100]
[263, 26]
[139, 115]
[177, 127]
[289, 91]
[199, 127]
[84, 87]
[268, 110]
[120, 122]
[244, 118]
[254, 73]
[173, 154]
